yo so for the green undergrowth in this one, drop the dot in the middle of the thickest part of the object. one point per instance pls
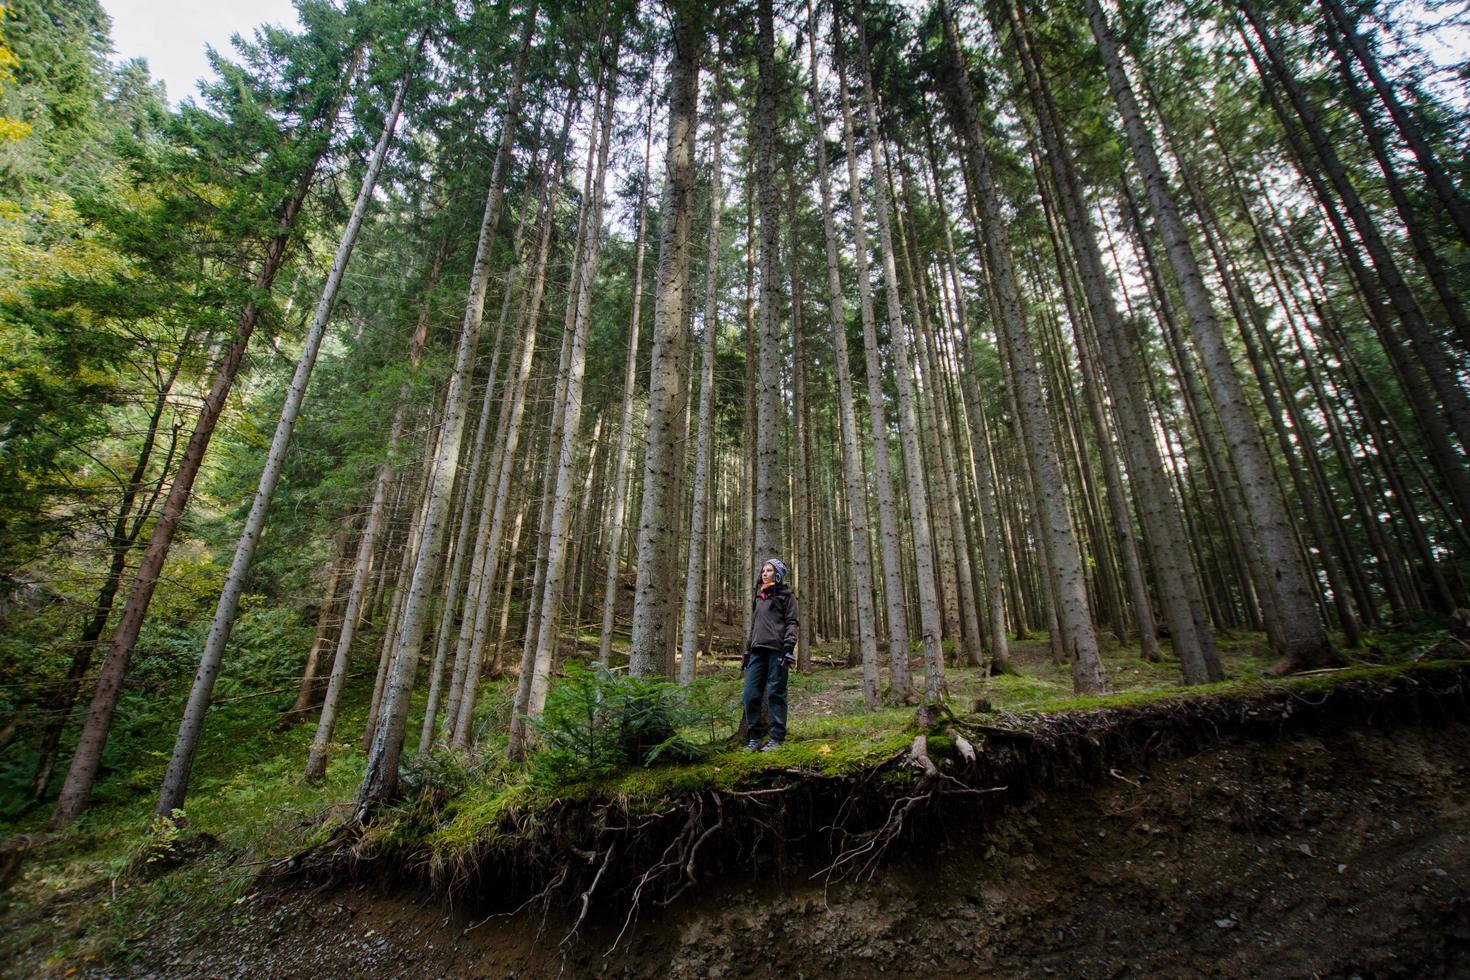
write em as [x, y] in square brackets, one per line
[831, 734]
[94, 892]
[496, 815]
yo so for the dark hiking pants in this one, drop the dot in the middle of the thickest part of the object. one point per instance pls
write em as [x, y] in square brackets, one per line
[765, 677]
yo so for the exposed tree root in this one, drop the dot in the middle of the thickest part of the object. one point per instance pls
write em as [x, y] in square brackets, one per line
[595, 858]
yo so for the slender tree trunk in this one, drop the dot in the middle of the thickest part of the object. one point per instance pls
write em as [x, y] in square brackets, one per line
[901, 685]
[470, 518]
[1295, 315]
[88, 757]
[930, 616]
[1303, 639]
[1258, 596]
[854, 481]
[991, 534]
[959, 580]
[1431, 421]
[563, 487]
[176, 779]
[694, 587]
[458, 719]
[415, 507]
[802, 503]
[769, 416]
[1066, 576]
[471, 544]
[653, 616]
[380, 782]
[556, 436]
[617, 519]
[354, 611]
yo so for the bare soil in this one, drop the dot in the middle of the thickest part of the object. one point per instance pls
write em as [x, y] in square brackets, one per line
[1340, 849]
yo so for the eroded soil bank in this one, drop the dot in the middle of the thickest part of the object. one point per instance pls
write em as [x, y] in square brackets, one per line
[1337, 848]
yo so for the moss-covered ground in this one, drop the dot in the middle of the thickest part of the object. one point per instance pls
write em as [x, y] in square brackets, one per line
[94, 893]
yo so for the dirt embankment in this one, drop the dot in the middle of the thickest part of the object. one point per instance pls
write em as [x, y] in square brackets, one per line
[1335, 842]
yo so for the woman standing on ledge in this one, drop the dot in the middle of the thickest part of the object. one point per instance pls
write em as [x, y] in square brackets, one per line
[768, 656]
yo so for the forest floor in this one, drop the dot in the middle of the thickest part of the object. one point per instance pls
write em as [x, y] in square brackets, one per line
[1317, 827]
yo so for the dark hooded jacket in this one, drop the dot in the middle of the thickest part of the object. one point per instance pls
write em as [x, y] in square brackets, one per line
[773, 619]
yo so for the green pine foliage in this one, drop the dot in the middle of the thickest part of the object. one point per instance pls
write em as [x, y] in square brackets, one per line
[598, 721]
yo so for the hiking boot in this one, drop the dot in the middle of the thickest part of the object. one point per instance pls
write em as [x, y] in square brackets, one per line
[753, 745]
[771, 746]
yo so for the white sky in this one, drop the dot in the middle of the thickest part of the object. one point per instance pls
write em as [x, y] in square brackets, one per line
[171, 34]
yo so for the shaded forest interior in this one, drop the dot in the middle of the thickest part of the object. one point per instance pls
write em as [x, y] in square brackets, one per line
[439, 374]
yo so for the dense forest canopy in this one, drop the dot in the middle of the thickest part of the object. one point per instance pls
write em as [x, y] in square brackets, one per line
[439, 342]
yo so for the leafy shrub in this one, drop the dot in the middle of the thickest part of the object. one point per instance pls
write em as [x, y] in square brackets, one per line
[597, 721]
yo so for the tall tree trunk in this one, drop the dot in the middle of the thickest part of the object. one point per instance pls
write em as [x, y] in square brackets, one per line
[802, 503]
[1258, 596]
[694, 587]
[931, 618]
[854, 480]
[617, 519]
[380, 781]
[653, 616]
[508, 588]
[354, 611]
[769, 416]
[471, 517]
[1295, 315]
[900, 685]
[88, 757]
[1066, 577]
[415, 507]
[563, 488]
[949, 515]
[556, 435]
[466, 681]
[991, 533]
[176, 779]
[1303, 638]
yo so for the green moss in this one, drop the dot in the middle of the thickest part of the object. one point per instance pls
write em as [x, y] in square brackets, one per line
[479, 814]
[1378, 673]
[1249, 685]
[1136, 699]
[247, 793]
[496, 816]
